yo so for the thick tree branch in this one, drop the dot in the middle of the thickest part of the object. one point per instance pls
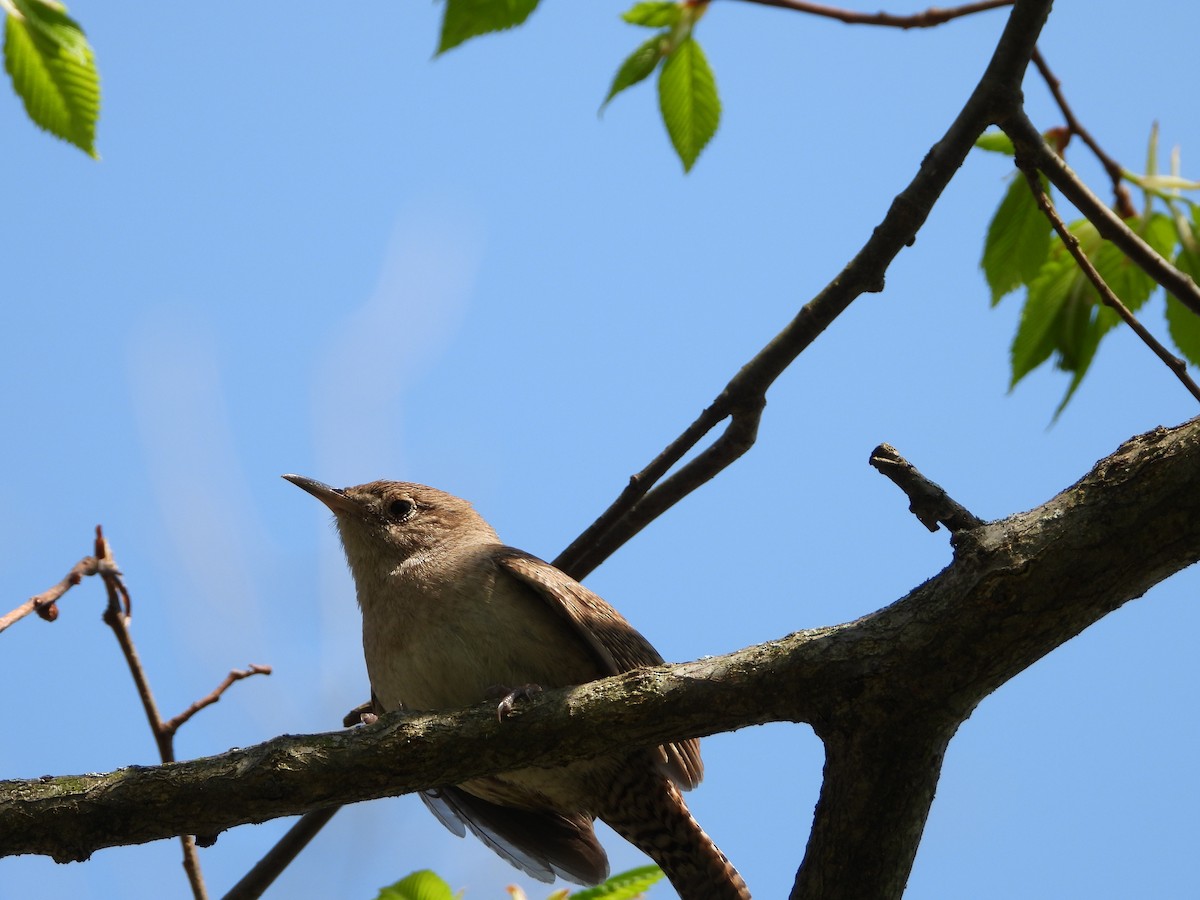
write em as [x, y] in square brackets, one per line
[912, 671]
[875, 797]
[744, 397]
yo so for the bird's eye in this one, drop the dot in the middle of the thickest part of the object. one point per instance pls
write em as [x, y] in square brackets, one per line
[400, 509]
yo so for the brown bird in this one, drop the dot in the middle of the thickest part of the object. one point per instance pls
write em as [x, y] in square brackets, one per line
[452, 617]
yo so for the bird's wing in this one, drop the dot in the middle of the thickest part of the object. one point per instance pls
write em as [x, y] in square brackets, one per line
[541, 844]
[618, 646]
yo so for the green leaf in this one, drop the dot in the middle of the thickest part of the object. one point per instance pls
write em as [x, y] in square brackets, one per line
[1017, 242]
[1035, 339]
[465, 19]
[53, 71]
[654, 15]
[420, 885]
[995, 142]
[624, 886]
[687, 97]
[1184, 327]
[1182, 323]
[638, 65]
[1053, 300]
[1127, 280]
[1086, 352]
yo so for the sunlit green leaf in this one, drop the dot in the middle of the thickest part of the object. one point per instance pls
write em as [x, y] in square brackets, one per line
[1086, 352]
[1035, 339]
[1084, 319]
[623, 886]
[1073, 328]
[1018, 239]
[1183, 324]
[465, 19]
[1184, 328]
[687, 97]
[995, 142]
[654, 15]
[1053, 300]
[637, 66]
[1165, 183]
[53, 71]
[421, 885]
[1126, 279]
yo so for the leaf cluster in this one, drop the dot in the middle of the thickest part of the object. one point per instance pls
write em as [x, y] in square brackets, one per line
[687, 90]
[1063, 318]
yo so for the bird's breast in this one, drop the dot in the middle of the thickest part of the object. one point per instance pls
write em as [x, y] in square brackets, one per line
[451, 641]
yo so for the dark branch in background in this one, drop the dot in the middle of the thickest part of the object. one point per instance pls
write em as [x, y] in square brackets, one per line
[928, 19]
[929, 502]
[1110, 299]
[255, 882]
[884, 692]
[1111, 166]
[1031, 147]
[744, 397]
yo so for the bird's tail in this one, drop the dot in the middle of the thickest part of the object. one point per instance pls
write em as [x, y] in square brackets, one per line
[645, 808]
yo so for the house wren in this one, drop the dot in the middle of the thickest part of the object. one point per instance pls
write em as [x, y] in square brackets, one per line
[451, 617]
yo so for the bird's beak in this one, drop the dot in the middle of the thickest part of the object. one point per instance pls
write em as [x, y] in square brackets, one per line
[334, 498]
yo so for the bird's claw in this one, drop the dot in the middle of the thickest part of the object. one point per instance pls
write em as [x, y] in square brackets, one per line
[510, 696]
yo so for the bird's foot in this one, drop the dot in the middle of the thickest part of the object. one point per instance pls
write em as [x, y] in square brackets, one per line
[509, 696]
[359, 715]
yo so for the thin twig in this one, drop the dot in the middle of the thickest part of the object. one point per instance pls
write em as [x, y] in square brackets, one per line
[173, 725]
[116, 616]
[928, 19]
[928, 501]
[1124, 201]
[44, 604]
[1110, 299]
[117, 619]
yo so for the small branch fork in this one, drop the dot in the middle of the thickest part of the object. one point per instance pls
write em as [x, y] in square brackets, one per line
[927, 19]
[1110, 299]
[1124, 201]
[116, 616]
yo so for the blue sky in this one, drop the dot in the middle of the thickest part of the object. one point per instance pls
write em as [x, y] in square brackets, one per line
[311, 248]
